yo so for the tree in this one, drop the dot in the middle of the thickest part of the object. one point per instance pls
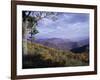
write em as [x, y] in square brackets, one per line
[31, 18]
[30, 21]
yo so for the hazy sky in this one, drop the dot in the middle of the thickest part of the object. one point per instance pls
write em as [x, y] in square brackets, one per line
[67, 26]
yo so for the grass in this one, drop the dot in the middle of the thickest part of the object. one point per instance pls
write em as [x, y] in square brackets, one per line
[40, 56]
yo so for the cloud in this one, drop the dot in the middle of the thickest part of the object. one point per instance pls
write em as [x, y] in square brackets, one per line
[68, 25]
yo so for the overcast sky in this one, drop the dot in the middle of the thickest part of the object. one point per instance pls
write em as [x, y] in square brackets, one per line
[68, 26]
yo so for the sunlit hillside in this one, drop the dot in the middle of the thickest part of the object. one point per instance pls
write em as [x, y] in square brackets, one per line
[40, 56]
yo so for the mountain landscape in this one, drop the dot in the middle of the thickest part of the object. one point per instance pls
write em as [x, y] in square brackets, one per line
[56, 52]
[63, 44]
[55, 39]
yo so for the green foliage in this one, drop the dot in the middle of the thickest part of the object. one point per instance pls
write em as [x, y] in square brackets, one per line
[30, 23]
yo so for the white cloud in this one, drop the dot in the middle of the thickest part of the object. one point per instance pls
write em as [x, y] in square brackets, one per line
[62, 28]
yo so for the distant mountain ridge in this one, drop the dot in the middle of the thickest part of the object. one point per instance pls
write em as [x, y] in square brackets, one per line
[62, 44]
